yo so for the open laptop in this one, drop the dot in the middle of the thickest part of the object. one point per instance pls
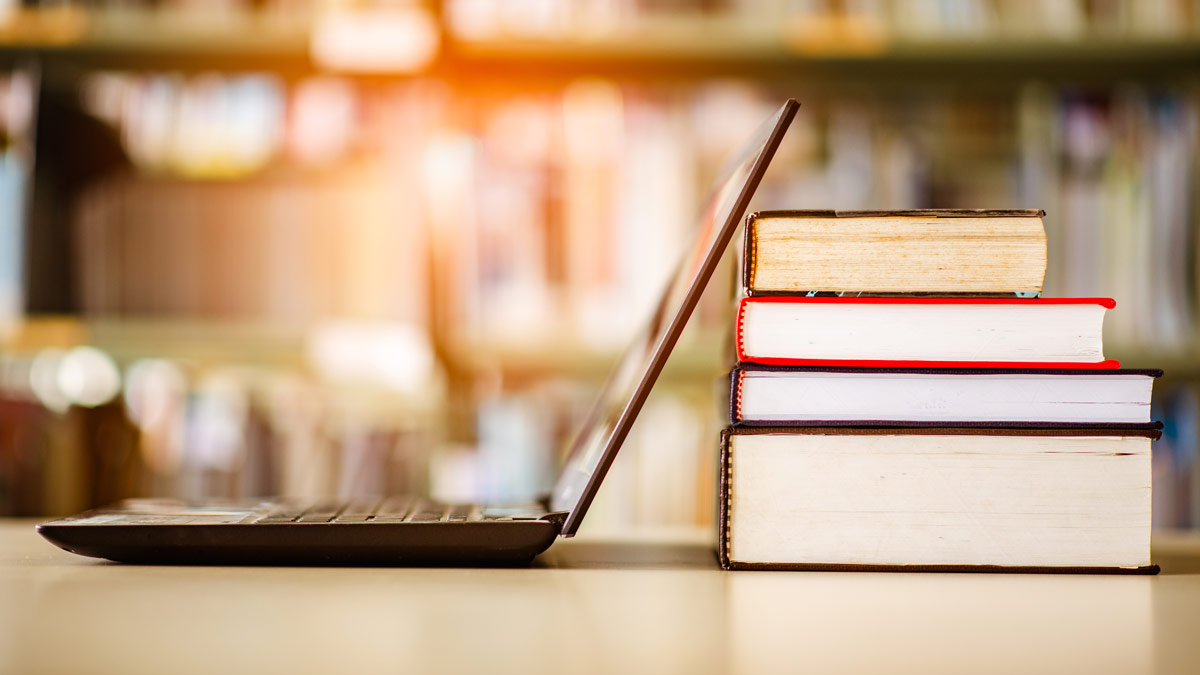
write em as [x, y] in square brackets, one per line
[404, 530]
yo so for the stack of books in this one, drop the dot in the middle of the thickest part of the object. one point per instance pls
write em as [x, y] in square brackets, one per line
[905, 399]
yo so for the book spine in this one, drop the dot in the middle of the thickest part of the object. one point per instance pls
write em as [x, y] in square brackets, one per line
[735, 396]
[739, 326]
[749, 254]
[723, 503]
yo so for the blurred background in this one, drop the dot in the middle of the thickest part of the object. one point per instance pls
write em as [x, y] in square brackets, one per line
[311, 247]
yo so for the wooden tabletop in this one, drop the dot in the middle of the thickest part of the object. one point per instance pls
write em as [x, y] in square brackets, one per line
[648, 604]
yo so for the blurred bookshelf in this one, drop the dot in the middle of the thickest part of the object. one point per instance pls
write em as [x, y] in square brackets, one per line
[761, 40]
[351, 248]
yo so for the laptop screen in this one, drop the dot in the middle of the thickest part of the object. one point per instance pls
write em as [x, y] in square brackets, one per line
[602, 433]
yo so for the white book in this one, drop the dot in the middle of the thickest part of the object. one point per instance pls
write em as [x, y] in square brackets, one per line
[946, 332]
[797, 395]
[931, 499]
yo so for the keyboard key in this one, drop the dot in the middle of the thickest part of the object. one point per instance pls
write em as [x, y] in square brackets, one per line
[280, 514]
[360, 507]
[353, 518]
[395, 506]
[320, 513]
[398, 509]
[426, 517]
[461, 513]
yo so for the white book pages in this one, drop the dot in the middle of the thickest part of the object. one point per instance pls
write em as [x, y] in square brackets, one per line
[1052, 501]
[780, 396]
[1024, 332]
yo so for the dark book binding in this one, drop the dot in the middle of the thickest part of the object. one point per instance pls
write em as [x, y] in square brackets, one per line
[723, 499]
[735, 388]
[749, 249]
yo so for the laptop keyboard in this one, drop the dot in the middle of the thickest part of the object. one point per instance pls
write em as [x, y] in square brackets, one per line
[398, 509]
[391, 510]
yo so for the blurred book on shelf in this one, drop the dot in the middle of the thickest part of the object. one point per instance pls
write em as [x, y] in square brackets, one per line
[560, 214]
[81, 432]
[1176, 460]
[18, 107]
[314, 227]
[1116, 168]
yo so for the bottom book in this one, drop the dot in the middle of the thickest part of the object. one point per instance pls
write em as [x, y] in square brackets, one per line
[936, 499]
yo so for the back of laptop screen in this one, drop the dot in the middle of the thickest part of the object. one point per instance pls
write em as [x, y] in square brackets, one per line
[600, 437]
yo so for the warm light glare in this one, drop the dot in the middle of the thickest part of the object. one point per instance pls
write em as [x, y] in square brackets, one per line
[395, 356]
[204, 126]
[88, 377]
[593, 116]
[43, 379]
[152, 388]
[324, 111]
[394, 40]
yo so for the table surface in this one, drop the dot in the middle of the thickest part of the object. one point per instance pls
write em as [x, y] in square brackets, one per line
[646, 604]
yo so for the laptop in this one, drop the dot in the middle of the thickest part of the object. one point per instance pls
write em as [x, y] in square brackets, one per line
[402, 530]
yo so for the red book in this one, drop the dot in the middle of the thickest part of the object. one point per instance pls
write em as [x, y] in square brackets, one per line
[923, 332]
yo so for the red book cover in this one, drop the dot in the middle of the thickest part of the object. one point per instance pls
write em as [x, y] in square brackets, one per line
[747, 304]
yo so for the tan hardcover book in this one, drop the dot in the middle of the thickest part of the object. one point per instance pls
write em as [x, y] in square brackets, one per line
[936, 499]
[940, 251]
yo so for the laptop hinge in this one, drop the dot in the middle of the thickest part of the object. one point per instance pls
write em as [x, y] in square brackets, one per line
[556, 517]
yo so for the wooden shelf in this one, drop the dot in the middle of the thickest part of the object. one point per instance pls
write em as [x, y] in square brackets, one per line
[690, 47]
[701, 354]
[148, 31]
[987, 63]
[704, 40]
[157, 39]
[205, 342]
[261, 348]
[698, 357]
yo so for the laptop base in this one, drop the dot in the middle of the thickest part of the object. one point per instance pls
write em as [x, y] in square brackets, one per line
[144, 532]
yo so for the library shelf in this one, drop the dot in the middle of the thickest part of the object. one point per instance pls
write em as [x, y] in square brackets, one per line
[260, 355]
[698, 358]
[72, 28]
[207, 342]
[139, 39]
[653, 47]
